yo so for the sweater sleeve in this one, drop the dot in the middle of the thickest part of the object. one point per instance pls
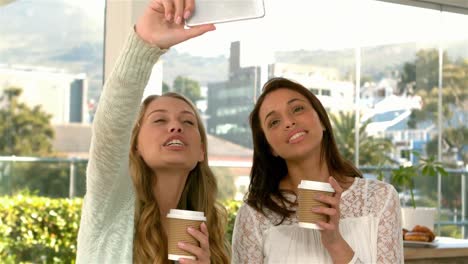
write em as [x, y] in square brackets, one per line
[109, 190]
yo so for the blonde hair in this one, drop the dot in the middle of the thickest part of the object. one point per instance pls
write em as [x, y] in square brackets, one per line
[199, 194]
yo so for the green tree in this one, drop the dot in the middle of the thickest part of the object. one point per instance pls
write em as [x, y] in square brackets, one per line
[188, 87]
[372, 151]
[165, 87]
[423, 74]
[453, 139]
[408, 78]
[24, 131]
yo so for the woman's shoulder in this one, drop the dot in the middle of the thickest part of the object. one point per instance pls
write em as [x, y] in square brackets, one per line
[246, 210]
[376, 189]
[247, 213]
[379, 185]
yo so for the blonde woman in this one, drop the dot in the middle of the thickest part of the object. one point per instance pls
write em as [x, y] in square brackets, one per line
[129, 195]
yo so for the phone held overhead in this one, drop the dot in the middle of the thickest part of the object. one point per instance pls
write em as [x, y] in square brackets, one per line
[221, 11]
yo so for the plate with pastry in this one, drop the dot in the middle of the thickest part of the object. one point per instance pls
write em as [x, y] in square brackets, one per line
[417, 244]
[419, 236]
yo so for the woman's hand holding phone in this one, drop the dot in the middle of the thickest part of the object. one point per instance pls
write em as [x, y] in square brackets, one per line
[162, 23]
[221, 11]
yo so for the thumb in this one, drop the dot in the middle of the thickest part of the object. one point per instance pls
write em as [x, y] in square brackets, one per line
[198, 30]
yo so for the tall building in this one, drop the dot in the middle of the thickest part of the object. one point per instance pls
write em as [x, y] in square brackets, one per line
[325, 82]
[61, 94]
[230, 102]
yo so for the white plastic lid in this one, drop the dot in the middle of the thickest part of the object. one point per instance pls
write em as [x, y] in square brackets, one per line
[315, 185]
[186, 214]
[177, 257]
[309, 225]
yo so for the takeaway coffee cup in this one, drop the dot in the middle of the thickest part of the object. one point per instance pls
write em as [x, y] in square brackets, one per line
[178, 222]
[306, 192]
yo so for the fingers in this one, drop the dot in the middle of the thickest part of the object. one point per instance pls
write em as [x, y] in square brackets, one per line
[168, 9]
[194, 250]
[202, 252]
[189, 8]
[202, 236]
[162, 23]
[327, 226]
[333, 201]
[199, 30]
[334, 210]
[188, 261]
[204, 229]
[157, 6]
[326, 211]
[336, 186]
[179, 11]
[333, 213]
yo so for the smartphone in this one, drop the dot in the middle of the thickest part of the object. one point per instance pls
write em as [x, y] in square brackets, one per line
[220, 11]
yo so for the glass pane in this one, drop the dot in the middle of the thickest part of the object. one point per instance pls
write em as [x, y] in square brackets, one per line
[51, 65]
[454, 126]
[391, 78]
[399, 103]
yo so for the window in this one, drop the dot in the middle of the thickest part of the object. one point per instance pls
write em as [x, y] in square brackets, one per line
[382, 65]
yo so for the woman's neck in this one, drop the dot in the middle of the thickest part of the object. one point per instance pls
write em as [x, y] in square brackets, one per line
[311, 169]
[168, 189]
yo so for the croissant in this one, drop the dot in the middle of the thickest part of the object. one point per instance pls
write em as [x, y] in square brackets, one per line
[419, 233]
[417, 236]
[426, 230]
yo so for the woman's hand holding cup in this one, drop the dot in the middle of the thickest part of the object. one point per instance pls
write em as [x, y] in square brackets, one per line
[202, 252]
[188, 238]
[330, 231]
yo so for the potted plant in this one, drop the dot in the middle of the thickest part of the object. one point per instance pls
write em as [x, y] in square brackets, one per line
[404, 178]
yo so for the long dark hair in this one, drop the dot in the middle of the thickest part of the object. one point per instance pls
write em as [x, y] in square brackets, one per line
[268, 170]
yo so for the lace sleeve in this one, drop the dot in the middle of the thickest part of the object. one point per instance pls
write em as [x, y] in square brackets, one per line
[247, 239]
[389, 237]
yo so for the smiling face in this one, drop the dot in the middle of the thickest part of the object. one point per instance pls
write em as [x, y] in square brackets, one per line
[169, 135]
[290, 124]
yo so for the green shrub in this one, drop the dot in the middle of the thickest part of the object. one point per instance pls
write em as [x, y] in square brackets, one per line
[232, 207]
[38, 229]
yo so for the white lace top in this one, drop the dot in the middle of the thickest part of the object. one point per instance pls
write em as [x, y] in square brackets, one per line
[370, 223]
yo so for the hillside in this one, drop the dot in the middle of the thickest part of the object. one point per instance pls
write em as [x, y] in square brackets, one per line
[202, 69]
[67, 35]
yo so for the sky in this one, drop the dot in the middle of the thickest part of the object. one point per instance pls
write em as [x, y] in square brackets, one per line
[287, 25]
[329, 25]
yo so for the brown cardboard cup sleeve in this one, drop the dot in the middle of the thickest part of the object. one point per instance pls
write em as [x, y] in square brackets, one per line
[306, 201]
[178, 222]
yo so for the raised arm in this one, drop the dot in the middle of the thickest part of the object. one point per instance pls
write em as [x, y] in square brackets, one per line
[109, 199]
[123, 91]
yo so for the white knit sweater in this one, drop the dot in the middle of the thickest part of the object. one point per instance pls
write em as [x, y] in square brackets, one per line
[107, 221]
